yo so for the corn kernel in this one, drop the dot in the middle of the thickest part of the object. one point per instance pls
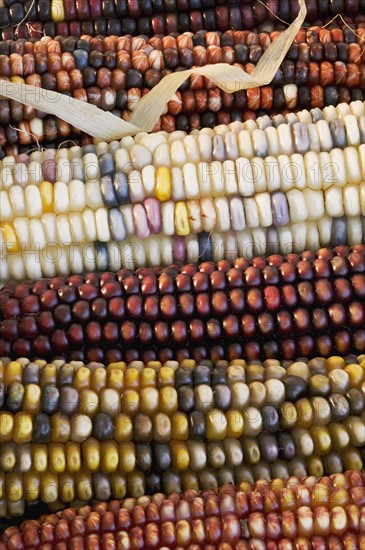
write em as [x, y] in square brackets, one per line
[67, 488]
[123, 428]
[109, 458]
[91, 454]
[182, 225]
[180, 455]
[10, 238]
[73, 457]
[32, 486]
[46, 191]
[56, 458]
[49, 488]
[6, 426]
[57, 11]
[23, 427]
[40, 457]
[14, 487]
[163, 186]
[235, 424]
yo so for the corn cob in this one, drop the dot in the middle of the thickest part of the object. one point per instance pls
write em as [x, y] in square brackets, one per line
[119, 86]
[75, 18]
[87, 411]
[156, 250]
[132, 452]
[217, 304]
[293, 513]
[148, 216]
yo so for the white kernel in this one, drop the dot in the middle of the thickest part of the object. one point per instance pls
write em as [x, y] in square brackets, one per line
[191, 181]
[33, 201]
[77, 194]
[93, 195]
[102, 226]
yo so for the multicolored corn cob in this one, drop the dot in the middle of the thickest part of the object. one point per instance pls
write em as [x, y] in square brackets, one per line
[173, 427]
[308, 305]
[156, 199]
[293, 513]
[116, 73]
[52, 17]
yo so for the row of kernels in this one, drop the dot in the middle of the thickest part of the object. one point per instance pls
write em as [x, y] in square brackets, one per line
[136, 374]
[214, 184]
[92, 393]
[109, 456]
[156, 250]
[343, 126]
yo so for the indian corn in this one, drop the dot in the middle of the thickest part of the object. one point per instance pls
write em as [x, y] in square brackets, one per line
[285, 513]
[152, 198]
[298, 305]
[60, 17]
[176, 426]
[115, 73]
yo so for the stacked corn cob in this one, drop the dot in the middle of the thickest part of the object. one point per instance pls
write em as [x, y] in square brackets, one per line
[115, 73]
[82, 431]
[60, 17]
[242, 189]
[304, 305]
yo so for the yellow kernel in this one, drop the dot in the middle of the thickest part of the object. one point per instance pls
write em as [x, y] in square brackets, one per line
[57, 11]
[109, 458]
[49, 488]
[118, 483]
[148, 378]
[84, 486]
[304, 413]
[123, 428]
[98, 379]
[40, 457]
[10, 238]
[168, 400]
[130, 402]
[116, 379]
[32, 398]
[127, 457]
[166, 377]
[89, 403]
[315, 466]
[8, 457]
[14, 487]
[6, 426]
[73, 457]
[181, 219]
[163, 187]
[235, 424]
[216, 425]
[91, 454]
[48, 375]
[61, 428]
[67, 488]
[131, 378]
[13, 373]
[356, 374]
[23, 427]
[179, 426]
[46, 192]
[56, 458]
[149, 400]
[335, 362]
[180, 455]
[17, 79]
[31, 486]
